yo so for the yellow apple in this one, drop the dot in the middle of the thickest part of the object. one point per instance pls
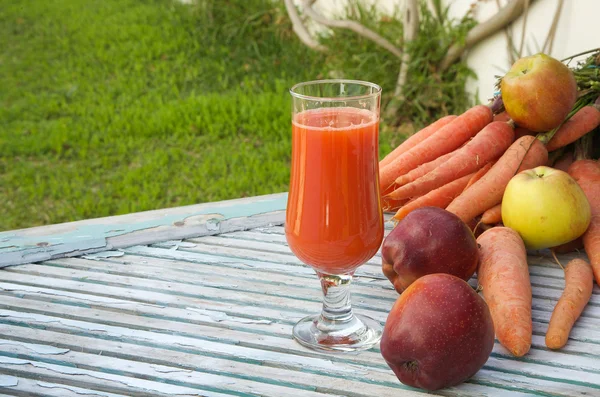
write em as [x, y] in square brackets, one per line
[546, 207]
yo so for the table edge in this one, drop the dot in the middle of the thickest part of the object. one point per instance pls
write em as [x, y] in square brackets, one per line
[101, 234]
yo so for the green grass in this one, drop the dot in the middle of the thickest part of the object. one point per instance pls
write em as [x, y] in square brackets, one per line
[115, 106]
[127, 105]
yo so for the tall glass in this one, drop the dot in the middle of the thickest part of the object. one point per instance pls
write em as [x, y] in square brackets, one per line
[334, 220]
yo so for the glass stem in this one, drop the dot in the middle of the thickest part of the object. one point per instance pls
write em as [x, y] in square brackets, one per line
[337, 307]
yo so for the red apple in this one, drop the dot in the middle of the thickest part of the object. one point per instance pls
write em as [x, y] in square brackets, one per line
[439, 333]
[538, 92]
[428, 240]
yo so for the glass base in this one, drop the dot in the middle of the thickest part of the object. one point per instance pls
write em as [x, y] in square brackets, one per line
[358, 333]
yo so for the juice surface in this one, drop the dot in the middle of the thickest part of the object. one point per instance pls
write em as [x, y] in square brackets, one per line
[334, 220]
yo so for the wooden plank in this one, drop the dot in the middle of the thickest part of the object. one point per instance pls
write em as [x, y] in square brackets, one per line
[163, 292]
[542, 356]
[170, 270]
[246, 257]
[245, 242]
[73, 362]
[364, 297]
[286, 258]
[342, 383]
[212, 315]
[225, 315]
[119, 284]
[83, 378]
[113, 296]
[340, 377]
[273, 343]
[32, 387]
[75, 342]
[96, 235]
[512, 381]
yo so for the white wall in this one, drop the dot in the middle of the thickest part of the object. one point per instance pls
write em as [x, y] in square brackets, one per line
[577, 31]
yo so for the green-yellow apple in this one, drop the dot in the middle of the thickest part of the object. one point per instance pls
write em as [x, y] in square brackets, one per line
[546, 207]
[538, 92]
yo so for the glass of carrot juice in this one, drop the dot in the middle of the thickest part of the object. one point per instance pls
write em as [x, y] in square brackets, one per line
[334, 219]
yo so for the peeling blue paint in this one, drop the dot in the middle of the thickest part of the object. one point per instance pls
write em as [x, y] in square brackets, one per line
[19, 247]
[8, 381]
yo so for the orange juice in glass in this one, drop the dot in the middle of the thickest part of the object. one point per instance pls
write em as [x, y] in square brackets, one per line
[334, 220]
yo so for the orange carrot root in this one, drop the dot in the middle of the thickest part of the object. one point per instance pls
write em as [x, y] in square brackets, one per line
[502, 117]
[490, 143]
[479, 174]
[423, 169]
[587, 175]
[389, 204]
[492, 215]
[439, 197]
[582, 122]
[415, 139]
[503, 275]
[445, 140]
[525, 153]
[579, 282]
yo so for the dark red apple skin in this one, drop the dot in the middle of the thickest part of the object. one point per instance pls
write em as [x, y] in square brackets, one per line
[439, 333]
[428, 240]
[538, 92]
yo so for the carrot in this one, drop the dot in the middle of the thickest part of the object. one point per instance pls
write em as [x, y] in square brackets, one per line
[502, 117]
[423, 169]
[479, 174]
[445, 140]
[492, 215]
[582, 122]
[439, 197]
[579, 282]
[587, 175]
[389, 204]
[489, 144]
[415, 138]
[525, 153]
[503, 275]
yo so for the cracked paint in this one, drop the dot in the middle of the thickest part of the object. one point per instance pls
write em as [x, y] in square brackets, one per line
[88, 299]
[104, 254]
[87, 237]
[77, 390]
[40, 349]
[175, 244]
[8, 381]
[221, 316]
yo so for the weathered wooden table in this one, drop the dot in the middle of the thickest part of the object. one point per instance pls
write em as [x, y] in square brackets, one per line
[201, 300]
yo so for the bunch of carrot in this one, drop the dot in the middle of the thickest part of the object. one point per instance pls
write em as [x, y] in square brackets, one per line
[463, 164]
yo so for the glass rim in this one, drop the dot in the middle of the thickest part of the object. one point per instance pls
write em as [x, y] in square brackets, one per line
[335, 99]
